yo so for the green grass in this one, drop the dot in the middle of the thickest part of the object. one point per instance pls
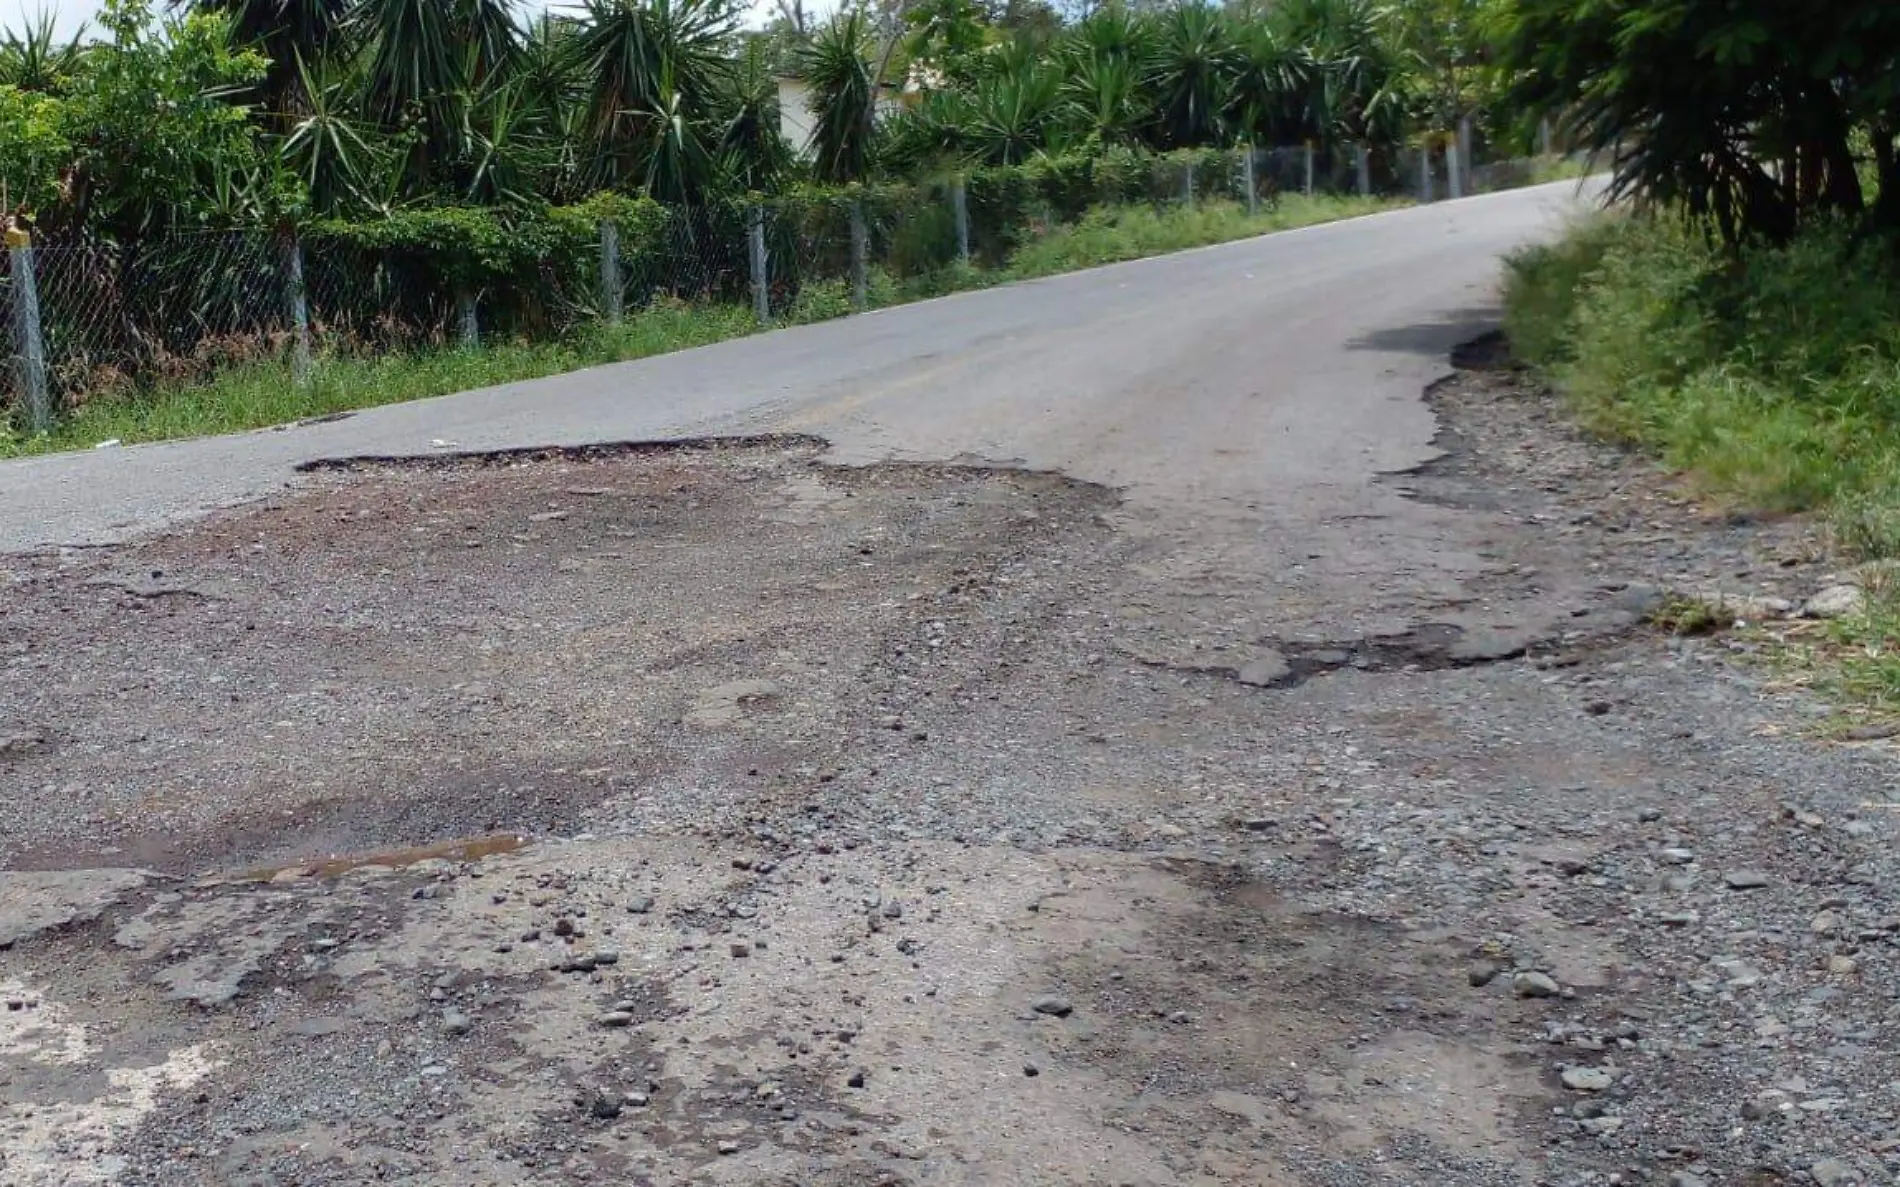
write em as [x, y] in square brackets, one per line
[1108, 235]
[261, 395]
[1769, 377]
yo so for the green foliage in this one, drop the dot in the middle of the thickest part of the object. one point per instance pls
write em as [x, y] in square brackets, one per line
[287, 111]
[159, 135]
[292, 34]
[1774, 376]
[1108, 234]
[838, 68]
[652, 73]
[947, 39]
[1747, 114]
[1195, 58]
[33, 149]
[35, 59]
[753, 157]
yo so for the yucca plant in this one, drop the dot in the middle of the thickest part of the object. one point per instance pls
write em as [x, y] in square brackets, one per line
[837, 68]
[293, 34]
[1112, 32]
[1271, 86]
[753, 156]
[1193, 62]
[1014, 115]
[931, 135]
[1105, 100]
[641, 63]
[327, 148]
[1358, 89]
[35, 59]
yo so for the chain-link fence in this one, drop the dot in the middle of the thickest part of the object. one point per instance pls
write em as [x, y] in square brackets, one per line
[82, 319]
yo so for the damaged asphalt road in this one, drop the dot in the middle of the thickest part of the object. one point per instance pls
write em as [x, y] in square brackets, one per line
[1269, 780]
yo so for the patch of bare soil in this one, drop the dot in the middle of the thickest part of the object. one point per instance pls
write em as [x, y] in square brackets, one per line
[409, 655]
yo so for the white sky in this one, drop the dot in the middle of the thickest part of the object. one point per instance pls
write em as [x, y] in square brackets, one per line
[71, 14]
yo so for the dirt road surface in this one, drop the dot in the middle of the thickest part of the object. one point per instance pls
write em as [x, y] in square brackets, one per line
[1248, 767]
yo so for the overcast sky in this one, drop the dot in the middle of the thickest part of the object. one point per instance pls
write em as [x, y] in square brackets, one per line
[71, 14]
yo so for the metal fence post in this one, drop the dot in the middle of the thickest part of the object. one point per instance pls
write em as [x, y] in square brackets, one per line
[470, 331]
[1187, 183]
[296, 297]
[1309, 169]
[960, 211]
[860, 258]
[1425, 171]
[1466, 159]
[1543, 136]
[611, 293]
[1253, 188]
[755, 238]
[1362, 166]
[28, 343]
[1454, 181]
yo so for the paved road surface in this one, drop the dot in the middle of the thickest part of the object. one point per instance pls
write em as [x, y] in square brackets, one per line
[1284, 795]
[1243, 372]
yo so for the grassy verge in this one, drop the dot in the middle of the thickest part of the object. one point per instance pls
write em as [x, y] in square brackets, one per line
[262, 395]
[1771, 378]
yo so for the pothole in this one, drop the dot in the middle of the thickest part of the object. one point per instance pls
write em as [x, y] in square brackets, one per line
[1428, 647]
[490, 646]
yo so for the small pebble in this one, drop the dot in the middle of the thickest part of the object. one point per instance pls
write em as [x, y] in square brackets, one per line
[1058, 1007]
[604, 1105]
[1535, 985]
[1588, 1079]
[1832, 1172]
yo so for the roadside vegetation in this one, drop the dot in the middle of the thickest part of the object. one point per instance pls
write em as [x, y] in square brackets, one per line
[438, 166]
[259, 395]
[1739, 315]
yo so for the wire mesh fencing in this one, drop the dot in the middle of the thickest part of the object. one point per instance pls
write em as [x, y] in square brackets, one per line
[84, 319]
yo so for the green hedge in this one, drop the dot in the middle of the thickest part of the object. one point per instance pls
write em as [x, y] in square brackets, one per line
[536, 271]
